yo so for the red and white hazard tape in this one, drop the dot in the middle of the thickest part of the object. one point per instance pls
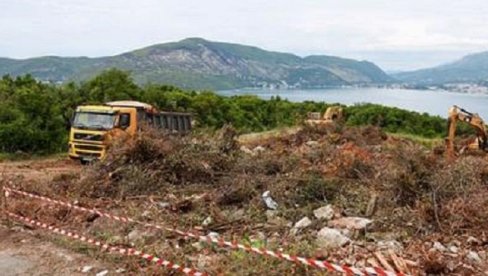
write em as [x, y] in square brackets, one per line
[223, 243]
[123, 251]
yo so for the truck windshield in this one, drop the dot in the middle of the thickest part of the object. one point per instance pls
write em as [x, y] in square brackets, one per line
[92, 120]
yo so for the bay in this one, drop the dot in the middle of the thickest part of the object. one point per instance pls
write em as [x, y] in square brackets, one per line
[434, 102]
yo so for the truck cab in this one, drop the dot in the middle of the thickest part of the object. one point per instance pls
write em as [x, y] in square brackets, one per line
[95, 127]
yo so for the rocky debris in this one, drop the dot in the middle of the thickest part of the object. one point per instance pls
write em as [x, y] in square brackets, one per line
[312, 144]
[120, 270]
[331, 238]
[236, 215]
[134, 235]
[146, 214]
[301, 224]
[473, 241]
[164, 205]
[390, 245]
[213, 235]
[102, 273]
[137, 235]
[246, 150]
[439, 247]
[197, 245]
[207, 221]
[259, 149]
[268, 200]
[353, 223]
[86, 269]
[473, 257]
[453, 249]
[271, 214]
[325, 212]
[203, 261]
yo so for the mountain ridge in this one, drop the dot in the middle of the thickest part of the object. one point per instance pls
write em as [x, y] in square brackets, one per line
[203, 64]
[470, 68]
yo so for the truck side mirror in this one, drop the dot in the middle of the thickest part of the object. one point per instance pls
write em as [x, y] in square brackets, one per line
[124, 121]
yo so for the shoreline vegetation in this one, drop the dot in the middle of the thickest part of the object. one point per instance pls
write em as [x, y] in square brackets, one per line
[35, 116]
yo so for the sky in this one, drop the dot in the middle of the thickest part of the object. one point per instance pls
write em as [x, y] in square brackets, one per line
[395, 34]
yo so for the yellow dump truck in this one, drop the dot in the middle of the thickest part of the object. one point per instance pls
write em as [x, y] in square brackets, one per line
[94, 127]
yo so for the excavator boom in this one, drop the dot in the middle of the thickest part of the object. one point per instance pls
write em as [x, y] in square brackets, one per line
[457, 113]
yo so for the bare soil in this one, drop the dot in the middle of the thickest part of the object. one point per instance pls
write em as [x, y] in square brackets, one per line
[39, 170]
[28, 252]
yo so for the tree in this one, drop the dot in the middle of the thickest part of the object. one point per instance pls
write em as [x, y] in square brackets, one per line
[110, 85]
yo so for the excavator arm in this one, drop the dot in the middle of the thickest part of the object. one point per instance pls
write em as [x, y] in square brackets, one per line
[457, 113]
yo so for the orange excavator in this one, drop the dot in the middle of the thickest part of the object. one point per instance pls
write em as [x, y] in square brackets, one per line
[457, 113]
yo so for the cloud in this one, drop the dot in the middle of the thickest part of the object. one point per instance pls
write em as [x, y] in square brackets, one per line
[95, 28]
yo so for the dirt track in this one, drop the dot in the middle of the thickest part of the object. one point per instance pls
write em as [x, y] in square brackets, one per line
[42, 169]
[23, 252]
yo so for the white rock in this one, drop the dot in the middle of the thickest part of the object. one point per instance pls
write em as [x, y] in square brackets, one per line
[146, 214]
[439, 247]
[102, 273]
[473, 257]
[325, 212]
[312, 143]
[86, 269]
[246, 150]
[134, 235]
[259, 149]
[271, 214]
[203, 261]
[303, 223]
[164, 205]
[237, 215]
[355, 223]
[214, 235]
[473, 240]
[331, 238]
[390, 245]
[454, 249]
[197, 245]
[270, 203]
[120, 270]
[207, 221]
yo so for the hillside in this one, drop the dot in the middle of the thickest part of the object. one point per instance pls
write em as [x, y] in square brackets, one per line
[198, 63]
[471, 68]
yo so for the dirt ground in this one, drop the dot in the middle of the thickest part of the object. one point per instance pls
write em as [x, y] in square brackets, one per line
[40, 169]
[25, 252]
[22, 252]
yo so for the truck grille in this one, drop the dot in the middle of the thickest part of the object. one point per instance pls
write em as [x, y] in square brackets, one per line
[88, 137]
[88, 147]
[88, 154]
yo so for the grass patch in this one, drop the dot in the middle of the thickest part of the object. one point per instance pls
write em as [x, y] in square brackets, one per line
[265, 135]
[427, 142]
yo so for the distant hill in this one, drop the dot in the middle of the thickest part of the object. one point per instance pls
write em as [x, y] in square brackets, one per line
[198, 63]
[471, 68]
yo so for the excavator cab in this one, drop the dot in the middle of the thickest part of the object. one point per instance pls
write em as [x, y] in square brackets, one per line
[456, 114]
[333, 114]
